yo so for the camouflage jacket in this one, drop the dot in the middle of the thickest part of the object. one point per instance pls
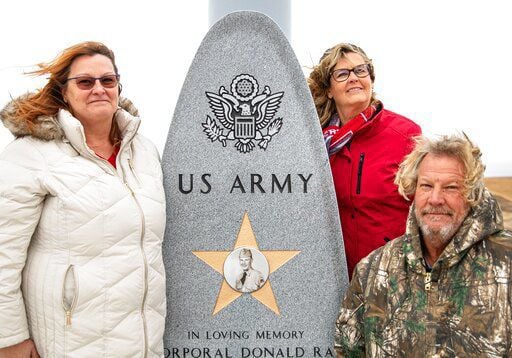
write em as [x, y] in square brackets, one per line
[462, 308]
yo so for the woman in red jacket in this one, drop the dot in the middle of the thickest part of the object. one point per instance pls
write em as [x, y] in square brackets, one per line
[366, 143]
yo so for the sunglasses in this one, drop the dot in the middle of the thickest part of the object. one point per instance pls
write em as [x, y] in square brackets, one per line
[88, 82]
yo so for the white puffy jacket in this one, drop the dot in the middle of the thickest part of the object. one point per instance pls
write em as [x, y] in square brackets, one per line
[81, 269]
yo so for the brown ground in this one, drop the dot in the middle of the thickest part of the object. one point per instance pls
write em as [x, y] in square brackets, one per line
[502, 191]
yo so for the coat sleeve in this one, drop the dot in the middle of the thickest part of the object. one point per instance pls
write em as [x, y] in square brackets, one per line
[21, 201]
[349, 336]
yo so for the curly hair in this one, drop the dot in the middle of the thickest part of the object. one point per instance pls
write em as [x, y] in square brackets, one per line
[319, 79]
[48, 100]
[459, 147]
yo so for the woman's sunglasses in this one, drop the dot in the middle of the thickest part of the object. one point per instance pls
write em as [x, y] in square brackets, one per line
[87, 82]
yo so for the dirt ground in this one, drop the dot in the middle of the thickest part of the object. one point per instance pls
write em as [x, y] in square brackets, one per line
[502, 191]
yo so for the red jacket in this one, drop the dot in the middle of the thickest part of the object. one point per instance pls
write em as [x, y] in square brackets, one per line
[371, 210]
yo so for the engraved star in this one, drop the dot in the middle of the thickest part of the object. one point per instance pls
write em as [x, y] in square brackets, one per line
[245, 238]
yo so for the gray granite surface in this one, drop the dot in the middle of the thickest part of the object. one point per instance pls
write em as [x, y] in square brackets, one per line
[245, 141]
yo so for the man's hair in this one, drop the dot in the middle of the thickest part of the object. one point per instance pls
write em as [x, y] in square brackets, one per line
[246, 253]
[454, 146]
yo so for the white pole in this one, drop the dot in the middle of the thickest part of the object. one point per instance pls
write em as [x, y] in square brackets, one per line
[278, 10]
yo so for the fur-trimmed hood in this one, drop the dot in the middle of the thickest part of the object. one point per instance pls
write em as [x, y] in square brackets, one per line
[45, 127]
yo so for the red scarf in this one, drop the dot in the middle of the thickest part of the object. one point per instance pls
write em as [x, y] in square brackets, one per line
[337, 136]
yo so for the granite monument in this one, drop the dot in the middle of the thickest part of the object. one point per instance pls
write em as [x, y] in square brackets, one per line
[253, 250]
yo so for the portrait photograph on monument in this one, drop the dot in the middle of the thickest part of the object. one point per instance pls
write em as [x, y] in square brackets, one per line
[255, 179]
[246, 269]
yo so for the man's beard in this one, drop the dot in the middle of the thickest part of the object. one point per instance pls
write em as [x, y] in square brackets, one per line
[443, 234]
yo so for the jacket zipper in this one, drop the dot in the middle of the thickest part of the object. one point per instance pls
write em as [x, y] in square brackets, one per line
[143, 230]
[133, 171]
[68, 309]
[144, 258]
[428, 281]
[359, 173]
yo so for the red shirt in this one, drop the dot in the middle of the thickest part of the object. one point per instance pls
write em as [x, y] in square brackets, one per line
[113, 157]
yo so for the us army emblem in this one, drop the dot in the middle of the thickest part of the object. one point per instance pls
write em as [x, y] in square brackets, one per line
[244, 115]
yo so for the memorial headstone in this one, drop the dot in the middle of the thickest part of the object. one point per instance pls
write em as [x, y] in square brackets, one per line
[253, 250]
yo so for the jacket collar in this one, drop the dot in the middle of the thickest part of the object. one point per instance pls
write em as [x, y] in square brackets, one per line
[482, 221]
[73, 131]
[372, 124]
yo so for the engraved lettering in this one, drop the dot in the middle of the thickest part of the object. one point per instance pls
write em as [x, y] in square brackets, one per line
[276, 183]
[180, 184]
[279, 334]
[227, 335]
[318, 353]
[192, 335]
[237, 184]
[265, 352]
[195, 352]
[305, 181]
[255, 181]
[207, 183]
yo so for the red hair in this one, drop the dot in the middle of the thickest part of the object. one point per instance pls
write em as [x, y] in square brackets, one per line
[48, 100]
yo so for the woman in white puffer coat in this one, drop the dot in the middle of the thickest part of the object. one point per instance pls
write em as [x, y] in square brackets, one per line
[82, 216]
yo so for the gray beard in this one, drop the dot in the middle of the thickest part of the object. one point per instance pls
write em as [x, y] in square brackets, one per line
[443, 235]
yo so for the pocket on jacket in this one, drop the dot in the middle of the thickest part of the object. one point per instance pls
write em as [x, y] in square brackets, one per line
[69, 293]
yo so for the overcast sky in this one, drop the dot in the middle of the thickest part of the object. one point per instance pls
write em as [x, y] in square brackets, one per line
[444, 64]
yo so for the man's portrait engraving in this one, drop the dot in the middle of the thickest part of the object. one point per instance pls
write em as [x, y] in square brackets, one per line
[246, 269]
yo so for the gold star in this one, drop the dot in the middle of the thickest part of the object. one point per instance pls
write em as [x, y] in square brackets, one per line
[245, 238]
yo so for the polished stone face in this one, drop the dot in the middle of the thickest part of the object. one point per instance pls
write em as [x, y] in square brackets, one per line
[246, 170]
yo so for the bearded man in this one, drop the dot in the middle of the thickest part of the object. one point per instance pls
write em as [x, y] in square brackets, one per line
[443, 288]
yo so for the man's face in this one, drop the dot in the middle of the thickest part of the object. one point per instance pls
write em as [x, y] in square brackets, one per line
[245, 262]
[440, 203]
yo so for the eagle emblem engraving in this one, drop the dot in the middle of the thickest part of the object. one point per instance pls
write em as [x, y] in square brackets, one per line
[245, 116]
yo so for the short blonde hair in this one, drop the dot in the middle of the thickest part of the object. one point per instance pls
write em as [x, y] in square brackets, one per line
[454, 146]
[245, 253]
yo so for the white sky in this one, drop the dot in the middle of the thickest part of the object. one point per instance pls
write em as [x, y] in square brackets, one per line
[444, 64]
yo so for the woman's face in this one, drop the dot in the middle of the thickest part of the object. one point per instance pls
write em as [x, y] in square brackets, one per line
[97, 103]
[353, 94]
